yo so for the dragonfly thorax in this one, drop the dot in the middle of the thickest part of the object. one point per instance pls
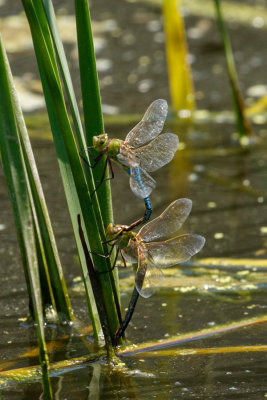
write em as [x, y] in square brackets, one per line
[125, 239]
[114, 147]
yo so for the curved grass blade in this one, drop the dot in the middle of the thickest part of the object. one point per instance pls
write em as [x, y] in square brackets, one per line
[44, 231]
[33, 373]
[74, 182]
[44, 47]
[64, 69]
[206, 350]
[52, 346]
[16, 176]
[94, 110]
[93, 118]
[188, 337]
[106, 211]
[9, 154]
[97, 290]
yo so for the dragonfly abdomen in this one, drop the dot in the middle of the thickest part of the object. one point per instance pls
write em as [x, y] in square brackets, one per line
[137, 177]
[128, 317]
[148, 209]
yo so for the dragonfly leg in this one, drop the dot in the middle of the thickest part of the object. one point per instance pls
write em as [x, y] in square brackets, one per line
[109, 241]
[113, 266]
[96, 159]
[102, 178]
[111, 171]
[104, 255]
[124, 261]
[128, 316]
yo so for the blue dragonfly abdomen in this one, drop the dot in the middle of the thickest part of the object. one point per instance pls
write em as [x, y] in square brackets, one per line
[140, 189]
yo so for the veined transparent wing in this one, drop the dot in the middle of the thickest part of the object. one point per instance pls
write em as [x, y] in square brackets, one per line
[141, 182]
[158, 152]
[148, 276]
[174, 251]
[130, 252]
[168, 223]
[150, 126]
[127, 157]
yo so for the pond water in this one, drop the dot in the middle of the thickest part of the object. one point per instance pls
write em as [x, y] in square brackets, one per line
[227, 184]
[228, 189]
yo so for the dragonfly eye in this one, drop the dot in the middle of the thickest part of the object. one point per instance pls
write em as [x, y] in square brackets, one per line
[111, 231]
[109, 228]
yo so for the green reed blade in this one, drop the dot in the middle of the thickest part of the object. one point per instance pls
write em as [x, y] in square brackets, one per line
[75, 185]
[47, 239]
[93, 118]
[242, 123]
[97, 290]
[54, 273]
[8, 161]
[64, 70]
[94, 122]
[46, 62]
[16, 177]
[63, 66]
[95, 114]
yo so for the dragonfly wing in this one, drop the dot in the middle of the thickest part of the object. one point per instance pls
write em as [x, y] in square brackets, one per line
[127, 157]
[141, 182]
[158, 152]
[174, 251]
[130, 252]
[150, 126]
[168, 223]
[148, 276]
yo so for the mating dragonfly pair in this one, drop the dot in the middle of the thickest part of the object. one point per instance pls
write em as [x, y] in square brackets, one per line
[156, 245]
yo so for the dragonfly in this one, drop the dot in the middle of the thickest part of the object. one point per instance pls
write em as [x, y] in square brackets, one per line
[144, 150]
[156, 246]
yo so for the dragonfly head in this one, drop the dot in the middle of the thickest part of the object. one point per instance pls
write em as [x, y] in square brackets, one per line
[100, 142]
[115, 231]
[112, 231]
